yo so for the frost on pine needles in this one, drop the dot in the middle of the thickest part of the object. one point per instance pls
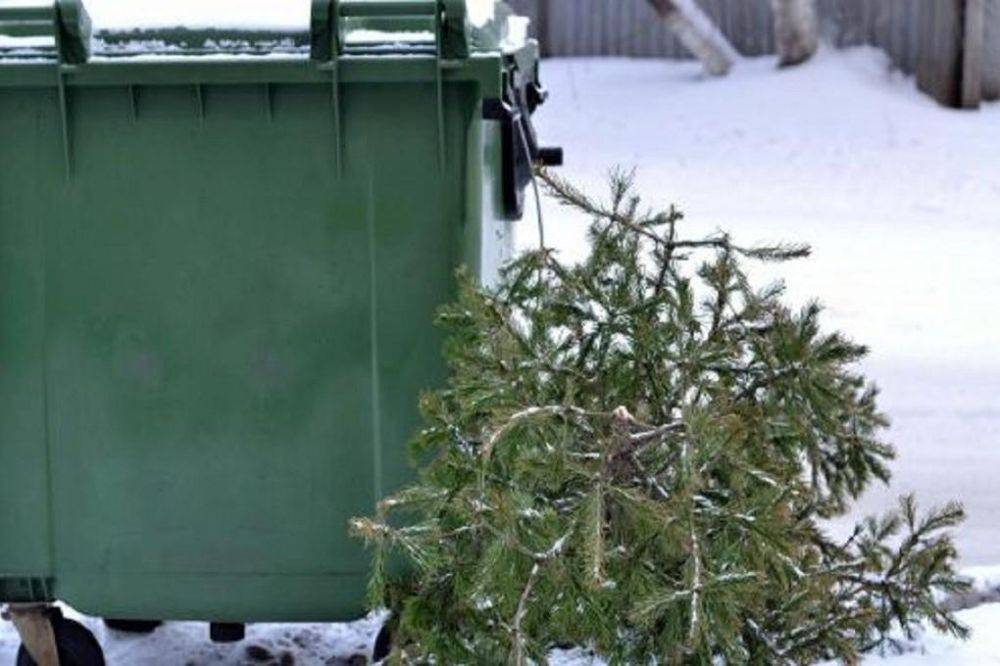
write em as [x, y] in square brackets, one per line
[636, 454]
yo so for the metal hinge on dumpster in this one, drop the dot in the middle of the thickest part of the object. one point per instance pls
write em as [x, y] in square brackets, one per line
[521, 151]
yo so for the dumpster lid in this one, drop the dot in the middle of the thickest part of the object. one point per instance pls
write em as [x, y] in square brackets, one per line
[116, 16]
[76, 31]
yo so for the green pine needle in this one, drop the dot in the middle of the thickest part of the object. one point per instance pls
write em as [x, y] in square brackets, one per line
[636, 453]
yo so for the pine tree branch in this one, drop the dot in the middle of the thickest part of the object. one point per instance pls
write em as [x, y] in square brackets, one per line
[528, 414]
[520, 652]
[696, 584]
[684, 433]
[656, 433]
[650, 479]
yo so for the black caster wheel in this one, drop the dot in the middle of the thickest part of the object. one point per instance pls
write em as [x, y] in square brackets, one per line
[132, 626]
[74, 643]
[383, 643]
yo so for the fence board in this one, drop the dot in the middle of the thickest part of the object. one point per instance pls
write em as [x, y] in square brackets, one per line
[972, 54]
[631, 28]
[939, 66]
[991, 50]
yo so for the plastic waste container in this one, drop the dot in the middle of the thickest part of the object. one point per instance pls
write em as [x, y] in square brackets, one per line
[220, 255]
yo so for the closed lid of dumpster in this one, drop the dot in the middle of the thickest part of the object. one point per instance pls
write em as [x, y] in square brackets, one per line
[78, 31]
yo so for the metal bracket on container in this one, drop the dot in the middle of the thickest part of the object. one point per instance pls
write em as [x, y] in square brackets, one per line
[439, 85]
[324, 46]
[72, 30]
[453, 20]
[451, 42]
[64, 21]
[520, 149]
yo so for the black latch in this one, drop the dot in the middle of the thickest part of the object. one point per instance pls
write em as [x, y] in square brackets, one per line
[521, 152]
[551, 156]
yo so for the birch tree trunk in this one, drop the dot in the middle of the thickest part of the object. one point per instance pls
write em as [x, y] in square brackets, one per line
[796, 30]
[698, 34]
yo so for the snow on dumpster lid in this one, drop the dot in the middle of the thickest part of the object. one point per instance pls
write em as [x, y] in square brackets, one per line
[365, 36]
[27, 48]
[194, 28]
[27, 42]
[268, 15]
[481, 12]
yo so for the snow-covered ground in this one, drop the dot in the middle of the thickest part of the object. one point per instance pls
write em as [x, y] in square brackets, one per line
[899, 198]
[933, 648]
[187, 644]
[901, 201]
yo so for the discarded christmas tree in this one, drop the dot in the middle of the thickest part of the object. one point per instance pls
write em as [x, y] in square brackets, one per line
[635, 453]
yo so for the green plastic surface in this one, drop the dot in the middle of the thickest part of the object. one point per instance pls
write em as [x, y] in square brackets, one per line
[214, 330]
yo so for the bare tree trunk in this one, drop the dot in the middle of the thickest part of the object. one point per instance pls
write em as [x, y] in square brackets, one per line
[796, 30]
[698, 34]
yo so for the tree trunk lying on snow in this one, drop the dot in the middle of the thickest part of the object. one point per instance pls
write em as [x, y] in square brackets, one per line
[796, 30]
[698, 34]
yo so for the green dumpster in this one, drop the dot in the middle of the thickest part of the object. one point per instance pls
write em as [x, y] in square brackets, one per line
[220, 255]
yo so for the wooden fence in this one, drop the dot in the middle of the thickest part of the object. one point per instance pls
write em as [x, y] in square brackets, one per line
[905, 29]
[991, 51]
[959, 61]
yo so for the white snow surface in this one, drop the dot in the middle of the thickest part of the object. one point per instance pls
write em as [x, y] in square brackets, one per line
[930, 649]
[480, 11]
[354, 37]
[123, 15]
[516, 32]
[27, 42]
[186, 643]
[901, 201]
[899, 197]
[935, 648]
[984, 577]
[118, 15]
